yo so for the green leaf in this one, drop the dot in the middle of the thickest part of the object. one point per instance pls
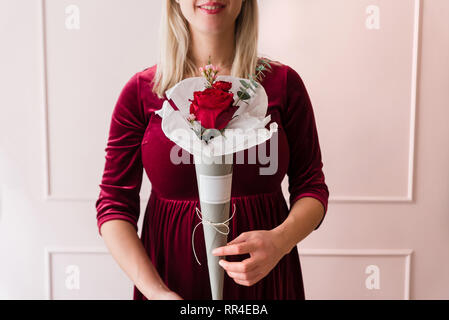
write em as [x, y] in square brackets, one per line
[265, 62]
[253, 89]
[244, 83]
[254, 83]
[242, 89]
[243, 95]
[268, 66]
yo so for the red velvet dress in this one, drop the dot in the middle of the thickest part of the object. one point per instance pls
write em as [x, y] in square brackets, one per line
[136, 143]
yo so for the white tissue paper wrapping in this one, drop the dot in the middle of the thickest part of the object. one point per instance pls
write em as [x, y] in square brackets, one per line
[243, 132]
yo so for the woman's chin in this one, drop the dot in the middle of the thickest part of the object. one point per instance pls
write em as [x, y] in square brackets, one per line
[213, 28]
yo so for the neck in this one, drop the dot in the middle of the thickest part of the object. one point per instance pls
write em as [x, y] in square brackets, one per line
[220, 48]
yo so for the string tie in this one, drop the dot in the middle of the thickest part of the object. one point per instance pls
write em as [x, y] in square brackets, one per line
[214, 225]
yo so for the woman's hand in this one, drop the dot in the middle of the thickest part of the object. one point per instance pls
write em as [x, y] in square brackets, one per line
[265, 247]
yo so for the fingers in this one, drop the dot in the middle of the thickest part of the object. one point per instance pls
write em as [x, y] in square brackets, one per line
[247, 279]
[245, 283]
[242, 237]
[244, 266]
[248, 276]
[233, 249]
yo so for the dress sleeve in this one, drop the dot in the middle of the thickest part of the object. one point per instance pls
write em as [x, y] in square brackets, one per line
[122, 177]
[305, 174]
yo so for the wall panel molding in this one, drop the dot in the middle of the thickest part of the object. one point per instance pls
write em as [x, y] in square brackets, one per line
[406, 253]
[412, 133]
[70, 250]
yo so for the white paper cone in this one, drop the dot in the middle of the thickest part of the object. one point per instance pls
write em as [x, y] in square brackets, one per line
[214, 188]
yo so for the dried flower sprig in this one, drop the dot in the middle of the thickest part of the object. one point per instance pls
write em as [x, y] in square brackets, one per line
[210, 72]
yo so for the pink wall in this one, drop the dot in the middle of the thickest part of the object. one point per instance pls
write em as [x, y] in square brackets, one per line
[385, 154]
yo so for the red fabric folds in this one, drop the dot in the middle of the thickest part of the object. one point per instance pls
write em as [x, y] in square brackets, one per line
[167, 231]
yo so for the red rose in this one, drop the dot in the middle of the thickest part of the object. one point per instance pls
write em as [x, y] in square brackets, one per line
[222, 85]
[213, 107]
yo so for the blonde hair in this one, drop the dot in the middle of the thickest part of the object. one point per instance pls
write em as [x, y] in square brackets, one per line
[174, 62]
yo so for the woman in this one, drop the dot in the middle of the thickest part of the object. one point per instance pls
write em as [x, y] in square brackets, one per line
[260, 261]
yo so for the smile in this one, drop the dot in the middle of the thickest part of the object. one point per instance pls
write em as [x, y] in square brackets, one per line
[212, 7]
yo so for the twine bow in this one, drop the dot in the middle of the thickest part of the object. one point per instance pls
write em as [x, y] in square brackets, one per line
[214, 225]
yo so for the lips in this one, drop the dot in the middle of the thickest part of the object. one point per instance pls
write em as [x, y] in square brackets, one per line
[211, 7]
[212, 4]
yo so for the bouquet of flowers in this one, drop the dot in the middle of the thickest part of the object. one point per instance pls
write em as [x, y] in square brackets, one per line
[213, 117]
